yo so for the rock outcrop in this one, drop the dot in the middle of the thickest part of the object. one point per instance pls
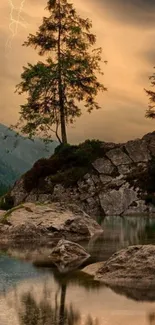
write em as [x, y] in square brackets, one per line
[117, 179]
[133, 267]
[29, 223]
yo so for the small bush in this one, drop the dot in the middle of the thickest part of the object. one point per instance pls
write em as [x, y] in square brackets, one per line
[69, 177]
[6, 202]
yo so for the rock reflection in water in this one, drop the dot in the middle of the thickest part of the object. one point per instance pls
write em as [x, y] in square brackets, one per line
[137, 294]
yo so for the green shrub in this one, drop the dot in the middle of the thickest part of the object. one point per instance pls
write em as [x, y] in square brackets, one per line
[69, 177]
[6, 202]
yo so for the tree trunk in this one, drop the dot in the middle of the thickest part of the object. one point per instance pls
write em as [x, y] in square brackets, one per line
[62, 305]
[62, 116]
[61, 95]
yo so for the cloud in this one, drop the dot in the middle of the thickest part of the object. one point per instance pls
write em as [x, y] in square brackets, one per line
[125, 29]
[137, 12]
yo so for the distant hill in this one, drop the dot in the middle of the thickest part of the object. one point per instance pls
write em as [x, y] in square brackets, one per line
[18, 154]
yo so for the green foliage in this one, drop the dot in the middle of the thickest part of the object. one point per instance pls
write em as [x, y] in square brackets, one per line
[69, 177]
[67, 77]
[67, 165]
[6, 202]
[144, 178]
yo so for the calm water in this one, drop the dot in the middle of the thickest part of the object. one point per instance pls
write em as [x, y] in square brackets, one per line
[31, 296]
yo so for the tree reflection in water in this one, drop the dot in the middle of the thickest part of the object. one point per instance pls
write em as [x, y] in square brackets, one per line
[46, 312]
[151, 318]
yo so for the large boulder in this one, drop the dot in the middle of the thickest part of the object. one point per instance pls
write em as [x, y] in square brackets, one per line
[116, 202]
[31, 222]
[133, 267]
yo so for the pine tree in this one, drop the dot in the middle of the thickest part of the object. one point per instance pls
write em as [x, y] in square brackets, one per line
[150, 112]
[68, 75]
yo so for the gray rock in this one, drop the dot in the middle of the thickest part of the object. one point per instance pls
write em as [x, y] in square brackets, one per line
[105, 179]
[137, 208]
[116, 202]
[118, 157]
[150, 139]
[117, 181]
[103, 166]
[138, 150]
[124, 169]
[18, 192]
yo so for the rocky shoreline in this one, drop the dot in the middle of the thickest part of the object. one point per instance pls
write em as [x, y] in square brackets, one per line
[47, 235]
[40, 225]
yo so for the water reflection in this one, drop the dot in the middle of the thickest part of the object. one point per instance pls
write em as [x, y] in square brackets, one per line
[137, 294]
[55, 313]
[69, 299]
[54, 309]
[151, 318]
[46, 297]
[45, 313]
[120, 232]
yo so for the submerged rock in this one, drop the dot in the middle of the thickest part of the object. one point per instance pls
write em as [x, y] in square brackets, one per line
[92, 269]
[31, 222]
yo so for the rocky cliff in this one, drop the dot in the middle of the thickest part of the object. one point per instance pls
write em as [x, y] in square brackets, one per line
[103, 178]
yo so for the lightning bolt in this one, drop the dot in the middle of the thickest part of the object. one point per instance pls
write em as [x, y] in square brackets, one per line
[15, 22]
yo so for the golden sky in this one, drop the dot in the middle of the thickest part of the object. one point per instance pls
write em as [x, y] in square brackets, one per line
[126, 31]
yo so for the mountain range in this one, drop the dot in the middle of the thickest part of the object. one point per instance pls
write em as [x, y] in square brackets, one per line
[18, 154]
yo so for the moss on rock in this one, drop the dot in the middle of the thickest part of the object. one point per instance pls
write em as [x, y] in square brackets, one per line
[8, 213]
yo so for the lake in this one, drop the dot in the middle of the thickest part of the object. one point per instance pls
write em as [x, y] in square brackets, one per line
[43, 296]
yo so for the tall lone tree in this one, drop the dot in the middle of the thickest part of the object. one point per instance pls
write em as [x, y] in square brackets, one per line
[68, 75]
[150, 112]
